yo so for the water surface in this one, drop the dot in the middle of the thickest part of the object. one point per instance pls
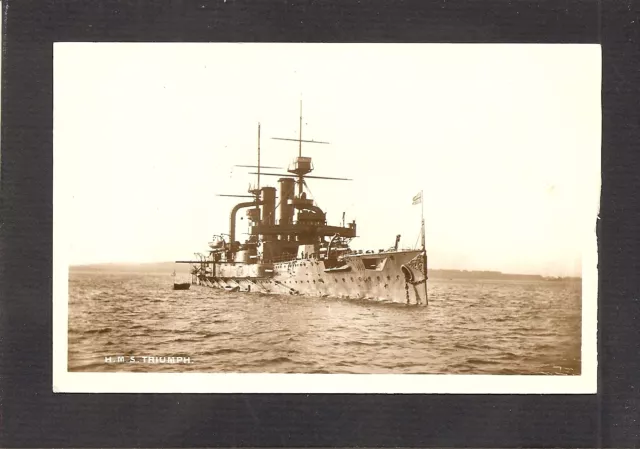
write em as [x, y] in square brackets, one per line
[470, 327]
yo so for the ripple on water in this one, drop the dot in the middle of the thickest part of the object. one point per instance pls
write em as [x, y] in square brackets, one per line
[222, 351]
[469, 327]
[102, 330]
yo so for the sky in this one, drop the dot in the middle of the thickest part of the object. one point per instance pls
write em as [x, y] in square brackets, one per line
[504, 140]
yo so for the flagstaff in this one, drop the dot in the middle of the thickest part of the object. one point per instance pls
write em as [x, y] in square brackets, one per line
[424, 249]
[419, 198]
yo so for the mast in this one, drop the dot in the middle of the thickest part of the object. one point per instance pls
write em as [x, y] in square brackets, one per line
[258, 157]
[300, 133]
[301, 167]
[257, 192]
[300, 178]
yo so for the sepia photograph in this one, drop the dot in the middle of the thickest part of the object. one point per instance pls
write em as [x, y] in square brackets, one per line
[339, 218]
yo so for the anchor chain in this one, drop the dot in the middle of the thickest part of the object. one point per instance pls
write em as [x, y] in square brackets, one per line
[406, 289]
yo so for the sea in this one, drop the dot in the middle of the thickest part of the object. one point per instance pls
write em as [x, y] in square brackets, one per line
[135, 321]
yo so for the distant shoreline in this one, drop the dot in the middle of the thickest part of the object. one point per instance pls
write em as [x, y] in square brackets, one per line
[169, 267]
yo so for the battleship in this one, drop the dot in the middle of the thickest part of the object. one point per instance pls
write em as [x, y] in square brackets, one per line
[292, 250]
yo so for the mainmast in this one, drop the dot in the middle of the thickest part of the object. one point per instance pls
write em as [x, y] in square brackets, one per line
[302, 165]
[300, 133]
[300, 174]
[258, 157]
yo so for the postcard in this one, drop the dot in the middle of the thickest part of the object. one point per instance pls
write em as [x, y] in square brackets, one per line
[326, 218]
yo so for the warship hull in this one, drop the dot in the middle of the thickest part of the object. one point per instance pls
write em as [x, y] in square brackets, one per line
[391, 276]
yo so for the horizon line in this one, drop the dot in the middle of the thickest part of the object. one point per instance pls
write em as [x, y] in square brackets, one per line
[437, 269]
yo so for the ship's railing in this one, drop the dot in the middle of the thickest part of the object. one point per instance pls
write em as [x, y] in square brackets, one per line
[282, 258]
[371, 252]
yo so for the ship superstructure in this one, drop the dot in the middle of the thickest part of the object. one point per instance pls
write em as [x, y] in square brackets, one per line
[291, 249]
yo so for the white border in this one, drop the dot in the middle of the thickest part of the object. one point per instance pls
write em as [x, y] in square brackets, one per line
[64, 381]
[320, 383]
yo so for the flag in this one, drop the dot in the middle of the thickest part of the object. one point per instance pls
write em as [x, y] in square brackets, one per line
[418, 198]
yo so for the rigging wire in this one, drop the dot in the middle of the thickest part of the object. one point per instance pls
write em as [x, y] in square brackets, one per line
[418, 238]
[307, 186]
